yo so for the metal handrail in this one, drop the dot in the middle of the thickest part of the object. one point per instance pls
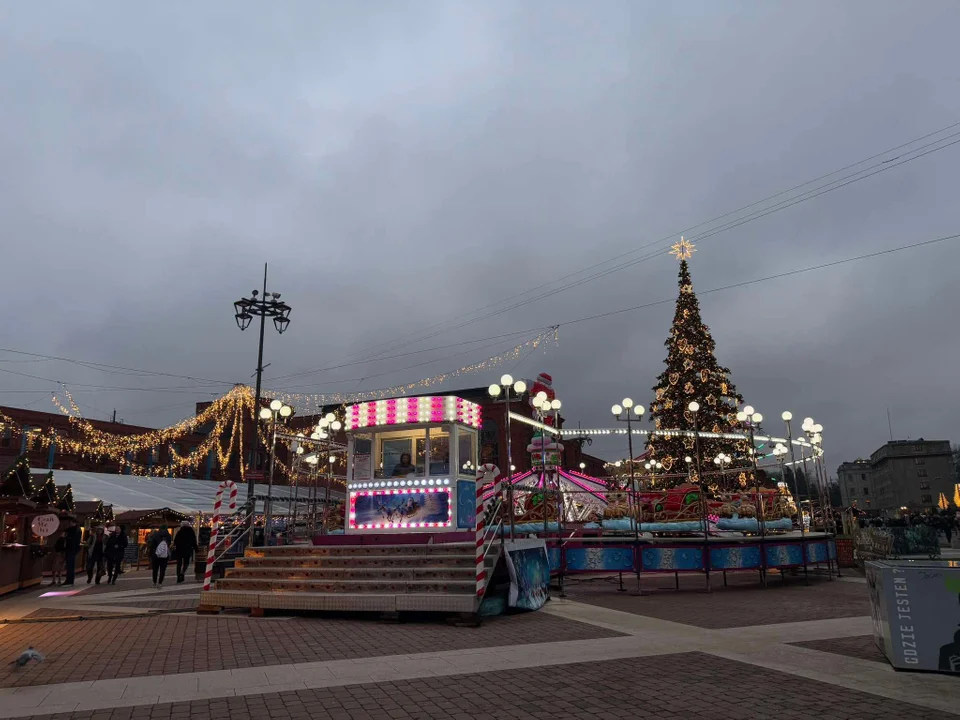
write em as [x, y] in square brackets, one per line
[496, 528]
[241, 526]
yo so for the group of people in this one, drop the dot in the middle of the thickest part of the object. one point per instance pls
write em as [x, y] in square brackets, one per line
[945, 522]
[106, 550]
[161, 546]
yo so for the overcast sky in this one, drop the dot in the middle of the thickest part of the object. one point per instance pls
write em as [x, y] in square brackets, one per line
[399, 164]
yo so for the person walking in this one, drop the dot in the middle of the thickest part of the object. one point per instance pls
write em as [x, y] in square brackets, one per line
[71, 536]
[184, 547]
[116, 549]
[96, 553]
[158, 545]
[59, 559]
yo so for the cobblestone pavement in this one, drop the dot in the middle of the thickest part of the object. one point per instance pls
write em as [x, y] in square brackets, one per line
[687, 685]
[861, 646]
[739, 604]
[791, 650]
[161, 645]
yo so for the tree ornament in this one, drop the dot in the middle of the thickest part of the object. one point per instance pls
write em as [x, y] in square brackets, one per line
[711, 399]
[688, 364]
[674, 378]
[704, 376]
[688, 443]
[716, 428]
[667, 404]
[667, 463]
[688, 388]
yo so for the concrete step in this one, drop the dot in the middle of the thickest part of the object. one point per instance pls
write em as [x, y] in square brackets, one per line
[334, 561]
[359, 602]
[286, 551]
[438, 573]
[348, 586]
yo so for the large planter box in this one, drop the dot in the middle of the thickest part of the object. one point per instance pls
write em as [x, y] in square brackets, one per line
[915, 606]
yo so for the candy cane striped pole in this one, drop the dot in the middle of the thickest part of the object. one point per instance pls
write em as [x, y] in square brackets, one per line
[215, 526]
[483, 472]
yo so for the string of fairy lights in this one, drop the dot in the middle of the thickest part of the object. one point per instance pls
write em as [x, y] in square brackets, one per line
[225, 417]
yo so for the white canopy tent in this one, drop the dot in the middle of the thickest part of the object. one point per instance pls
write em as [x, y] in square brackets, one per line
[185, 495]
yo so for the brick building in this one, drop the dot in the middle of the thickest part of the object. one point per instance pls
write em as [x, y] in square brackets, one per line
[492, 440]
[14, 443]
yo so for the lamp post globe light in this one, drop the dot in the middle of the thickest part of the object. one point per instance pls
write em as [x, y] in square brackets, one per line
[275, 412]
[622, 413]
[263, 305]
[506, 385]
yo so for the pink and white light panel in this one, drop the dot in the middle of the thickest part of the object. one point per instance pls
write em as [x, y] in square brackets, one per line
[409, 411]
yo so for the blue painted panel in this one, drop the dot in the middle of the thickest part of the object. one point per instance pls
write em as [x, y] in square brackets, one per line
[680, 558]
[615, 559]
[833, 549]
[817, 552]
[735, 558]
[466, 504]
[553, 555]
[784, 555]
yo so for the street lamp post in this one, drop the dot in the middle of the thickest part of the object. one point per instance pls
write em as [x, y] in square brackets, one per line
[544, 406]
[694, 408]
[622, 414]
[787, 417]
[328, 425]
[519, 387]
[265, 305]
[276, 410]
[297, 447]
[752, 420]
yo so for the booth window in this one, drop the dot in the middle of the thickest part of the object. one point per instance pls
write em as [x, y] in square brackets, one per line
[467, 449]
[400, 453]
[439, 453]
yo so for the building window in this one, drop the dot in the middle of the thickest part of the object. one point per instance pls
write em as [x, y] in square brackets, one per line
[926, 499]
[918, 448]
[919, 461]
[922, 472]
[866, 491]
[5, 437]
[924, 484]
[863, 477]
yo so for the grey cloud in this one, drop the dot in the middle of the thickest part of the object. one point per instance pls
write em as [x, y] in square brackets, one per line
[403, 163]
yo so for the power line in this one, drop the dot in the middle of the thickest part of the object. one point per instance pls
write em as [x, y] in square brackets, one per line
[180, 388]
[807, 195]
[406, 354]
[787, 273]
[101, 367]
[410, 367]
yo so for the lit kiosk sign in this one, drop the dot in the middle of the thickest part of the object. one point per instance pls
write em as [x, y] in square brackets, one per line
[411, 465]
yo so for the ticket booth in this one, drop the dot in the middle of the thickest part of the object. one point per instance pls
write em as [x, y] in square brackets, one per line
[411, 465]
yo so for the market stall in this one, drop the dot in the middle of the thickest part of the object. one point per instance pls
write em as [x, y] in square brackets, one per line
[140, 523]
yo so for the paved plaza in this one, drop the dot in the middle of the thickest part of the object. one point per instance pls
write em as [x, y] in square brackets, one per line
[742, 651]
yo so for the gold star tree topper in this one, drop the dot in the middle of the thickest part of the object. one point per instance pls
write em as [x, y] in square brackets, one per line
[683, 250]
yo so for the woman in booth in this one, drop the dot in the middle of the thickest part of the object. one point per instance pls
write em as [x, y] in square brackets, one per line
[404, 467]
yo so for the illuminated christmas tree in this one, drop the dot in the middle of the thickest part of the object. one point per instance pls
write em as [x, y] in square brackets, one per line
[693, 374]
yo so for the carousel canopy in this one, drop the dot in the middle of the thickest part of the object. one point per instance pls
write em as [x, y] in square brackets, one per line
[182, 495]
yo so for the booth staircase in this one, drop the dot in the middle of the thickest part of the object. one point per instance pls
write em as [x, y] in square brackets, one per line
[387, 578]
